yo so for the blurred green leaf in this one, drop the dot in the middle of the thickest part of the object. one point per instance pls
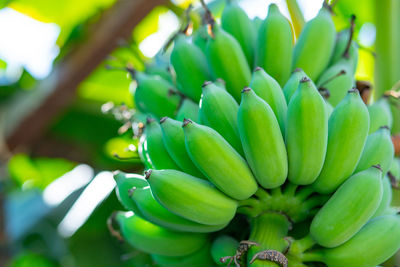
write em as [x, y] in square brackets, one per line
[364, 11]
[149, 24]
[38, 172]
[29, 259]
[3, 64]
[107, 85]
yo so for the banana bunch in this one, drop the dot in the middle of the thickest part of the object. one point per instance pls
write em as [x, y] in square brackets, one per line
[281, 166]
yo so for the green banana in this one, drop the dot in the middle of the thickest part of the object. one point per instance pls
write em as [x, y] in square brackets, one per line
[188, 109]
[153, 96]
[275, 45]
[218, 110]
[174, 141]
[380, 115]
[227, 61]
[257, 24]
[306, 133]
[377, 150]
[337, 79]
[125, 181]
[144, 156]
[223, 246]
[154, 147]
[151, 238]
[184, 195]
[200, 38]
[218, 161]
[329, 108]
[270, 91]
[342, 44]
[386, 197]
[158, 214]
[162, 71]
[199, 258]
[190, 65]
[395, 168]
[291, 85]
[382, 234]
[315, 45]
[236, 22]
[350, 207]
[262, 140]
[221, 83]
[347, 133]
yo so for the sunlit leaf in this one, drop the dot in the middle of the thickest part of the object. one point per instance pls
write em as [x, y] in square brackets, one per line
[3, 64]
[107, 85]
[149, 24]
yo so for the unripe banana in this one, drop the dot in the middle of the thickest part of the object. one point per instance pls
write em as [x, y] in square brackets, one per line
[125, 182]
[148, 237]
[337, 79]
[174, 141]
[350, 207]
[315, 45]
[154, 147]
[153, 96]
[306, 133]
[342, 41]
[329, 108]
[395, 168]
[380, 115]
[386, 197]
[158, 214]
[262, 140]
[220, 83]
[257, 24]
[275, 45]
[200, 38]
[347, 133]
[292, 84]
[218, 110]
[377, 150]
[223, 246]
[227, 61]
[188, 109]
[199, 258]
[190, 65]
[184, 195]
[144, 156]
[376, 242]
[161, 71]
[236, 22]
[218, 161]
[269, 90]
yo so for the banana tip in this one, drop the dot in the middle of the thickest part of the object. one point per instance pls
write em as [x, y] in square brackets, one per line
[206, 83]
[246, 89]
[147, 174]
[257, 69]
[378, 166]
[221, 80]
[384, 127]
[305, 79]
[149, 120]
[297, 70]
[163, 119]
[353, 90]
[186, 122]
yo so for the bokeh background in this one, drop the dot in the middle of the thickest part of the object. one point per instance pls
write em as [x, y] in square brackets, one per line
[66, 104]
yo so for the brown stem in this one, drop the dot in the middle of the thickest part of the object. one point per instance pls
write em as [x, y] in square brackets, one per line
[351, 33]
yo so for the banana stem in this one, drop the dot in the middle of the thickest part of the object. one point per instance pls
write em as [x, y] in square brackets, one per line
[296, 15]
[276, 192]
[315, 201]
[262, 194]
[313, 256]
[304, 193]
[290, 189]
[268, 230]
[305, 243]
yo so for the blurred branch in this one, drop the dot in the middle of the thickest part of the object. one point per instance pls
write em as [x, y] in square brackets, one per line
[30, 114]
